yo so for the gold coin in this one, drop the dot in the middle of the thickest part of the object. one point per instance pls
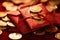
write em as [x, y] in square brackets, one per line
[2, 23]
[43, 0]
[10, 24]
[27, 1]
[15, 36]
[56, 29]
[57, 35]
[6, 19]
[35, 8]
[41, 21]
[51, 3]
[3, 28]
[49, 29]
[35, 16]
[2, 14]
[0, 32]
[7, 4]
[51, 7]
[12, 8]
[9, 8]
[15, 8]
[54, 2]
[37, 19]
[17, 1]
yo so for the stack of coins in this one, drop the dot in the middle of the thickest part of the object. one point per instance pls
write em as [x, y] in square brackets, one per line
[35, 10]
[5, 21]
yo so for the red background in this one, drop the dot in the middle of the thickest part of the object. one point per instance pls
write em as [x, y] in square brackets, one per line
[28, 36]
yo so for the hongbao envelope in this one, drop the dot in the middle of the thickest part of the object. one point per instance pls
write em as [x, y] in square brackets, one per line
[30, 24]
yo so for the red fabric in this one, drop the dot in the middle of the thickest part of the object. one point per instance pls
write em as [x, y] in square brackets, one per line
[4, 35]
